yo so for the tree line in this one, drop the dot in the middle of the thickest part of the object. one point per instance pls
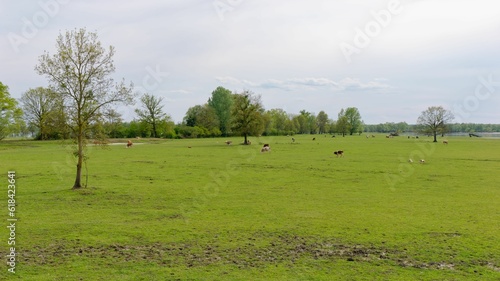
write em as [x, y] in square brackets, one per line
[224, 114]
[40, 113]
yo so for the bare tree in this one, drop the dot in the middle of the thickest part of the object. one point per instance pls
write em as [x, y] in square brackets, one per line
[434, 120]
[80, 72]
[151, 112]
[43, 108]
[113, 122]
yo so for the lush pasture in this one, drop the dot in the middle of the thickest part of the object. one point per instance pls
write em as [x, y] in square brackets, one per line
[202, 210]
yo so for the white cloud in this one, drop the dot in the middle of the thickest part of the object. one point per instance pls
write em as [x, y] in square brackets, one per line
[308, 83]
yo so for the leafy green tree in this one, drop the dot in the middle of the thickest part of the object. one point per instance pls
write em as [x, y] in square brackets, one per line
[135, 129]
[151, 112]
[306, 122]
[343, 126]
[312, 124]
[166, 128]
[204, 117]
[322, 122]
[361, 127]
[80, 72]
[290, 125]
[222, 102]
[331, 126]
[10, 113]
[402, 127]
[247, 115]
[207, 118]
[278, 120]
[433, 120]
[354, 120]
[192, 115]
[300, 122]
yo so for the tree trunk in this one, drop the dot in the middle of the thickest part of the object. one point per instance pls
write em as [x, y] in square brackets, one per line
[435, 136]
[245, 142]
[79, 163]
[40, 125]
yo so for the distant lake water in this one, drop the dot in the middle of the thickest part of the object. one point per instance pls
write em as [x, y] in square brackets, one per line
[481, 134]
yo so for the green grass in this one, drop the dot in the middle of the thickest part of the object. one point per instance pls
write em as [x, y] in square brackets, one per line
[202, 210]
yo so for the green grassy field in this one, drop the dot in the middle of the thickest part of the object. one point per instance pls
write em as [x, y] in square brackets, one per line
[202, 210]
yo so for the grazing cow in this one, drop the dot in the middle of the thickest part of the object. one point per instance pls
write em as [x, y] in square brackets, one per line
[339, 153]
[228, 142]
[410, 160]
[422, 161]
[265, 148]
[129, 144]
[293, 139]
[314, 138]
[445, 142]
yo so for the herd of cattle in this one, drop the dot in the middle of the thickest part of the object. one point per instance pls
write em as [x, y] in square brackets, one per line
[267, 148]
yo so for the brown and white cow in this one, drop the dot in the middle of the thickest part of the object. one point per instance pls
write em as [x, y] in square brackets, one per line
[265, 148]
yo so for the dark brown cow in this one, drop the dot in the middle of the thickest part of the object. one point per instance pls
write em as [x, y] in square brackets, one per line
[129, 143]
[339, 153]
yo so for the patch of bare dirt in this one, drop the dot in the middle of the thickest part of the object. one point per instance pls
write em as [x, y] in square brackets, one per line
[250, 253]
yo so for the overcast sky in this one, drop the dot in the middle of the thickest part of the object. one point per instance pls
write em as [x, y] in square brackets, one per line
[390, 59]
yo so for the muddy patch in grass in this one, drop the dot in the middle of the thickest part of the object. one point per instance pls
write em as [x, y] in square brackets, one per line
[247, 253]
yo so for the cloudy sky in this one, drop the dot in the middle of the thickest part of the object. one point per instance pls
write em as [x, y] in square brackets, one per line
[390, 59]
